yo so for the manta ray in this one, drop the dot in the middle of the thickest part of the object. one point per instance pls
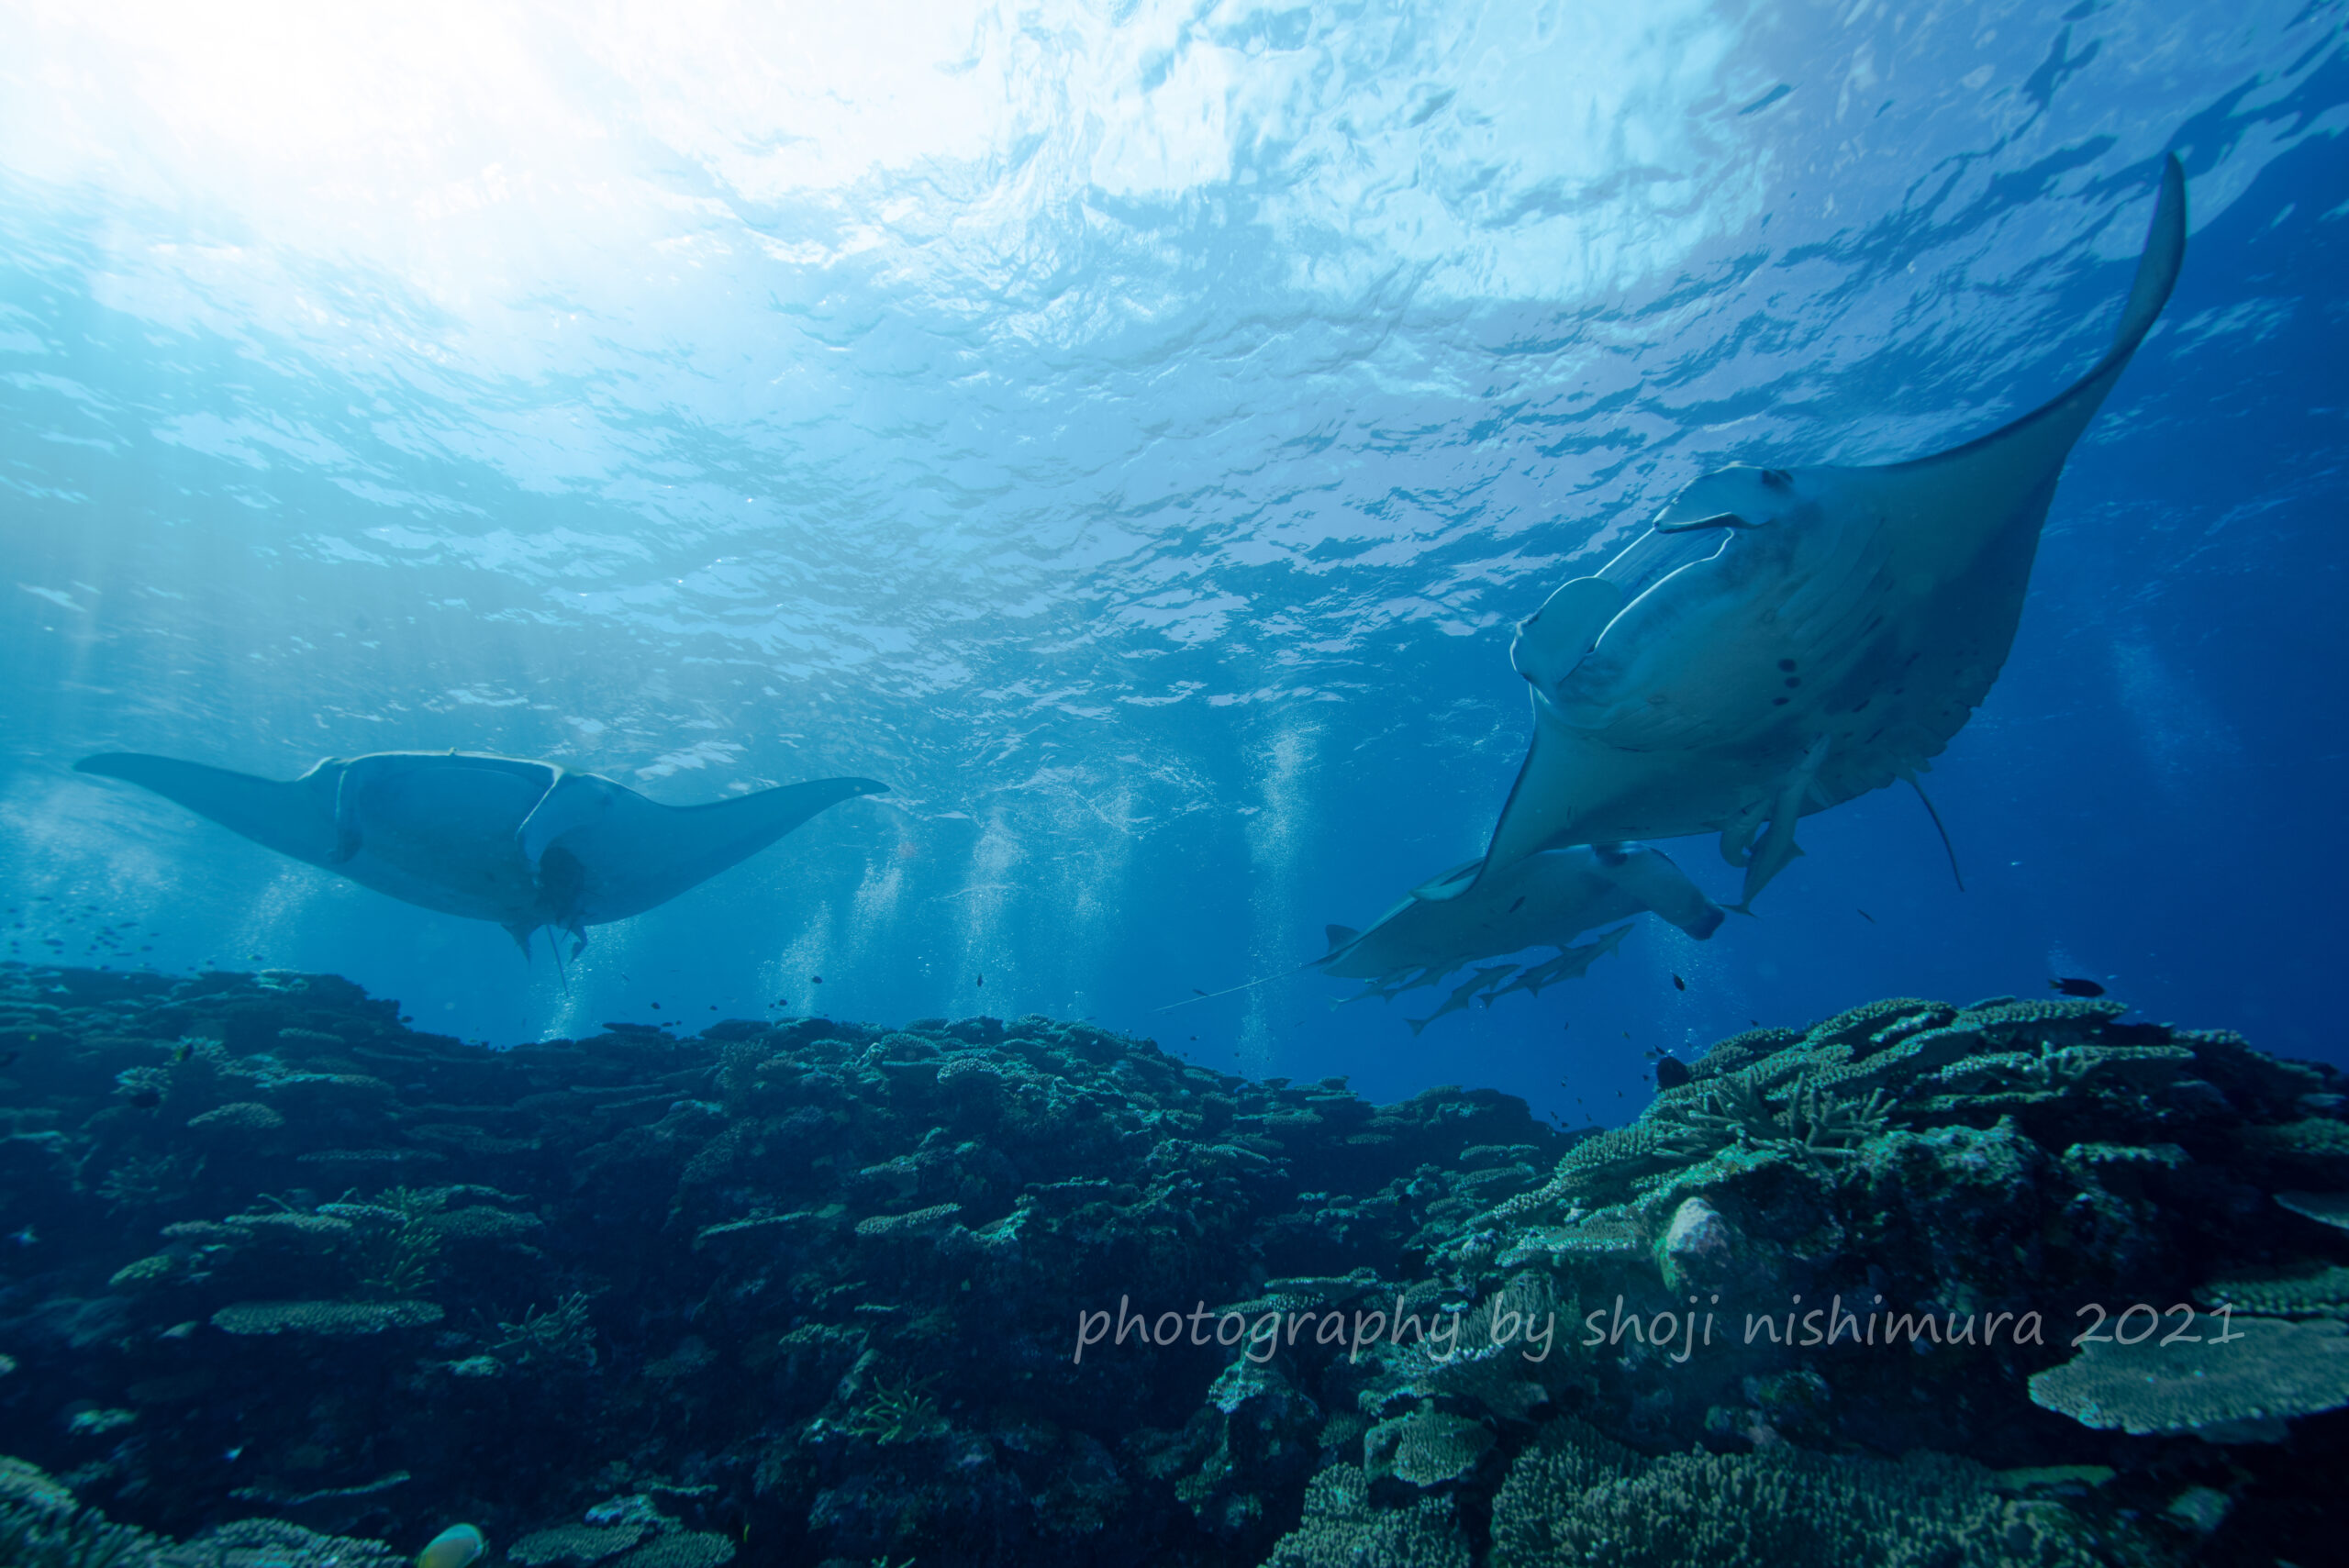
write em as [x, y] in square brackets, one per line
[521, 843]
[1783, 639]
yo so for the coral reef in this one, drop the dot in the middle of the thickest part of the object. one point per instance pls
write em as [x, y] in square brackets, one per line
[998, 1292]
[1574, 1498]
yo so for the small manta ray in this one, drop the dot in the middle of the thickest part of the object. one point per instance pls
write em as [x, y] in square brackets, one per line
[521, 843]
[1781, 641]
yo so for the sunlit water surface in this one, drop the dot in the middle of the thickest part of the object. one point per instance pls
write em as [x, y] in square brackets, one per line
[1131, 433]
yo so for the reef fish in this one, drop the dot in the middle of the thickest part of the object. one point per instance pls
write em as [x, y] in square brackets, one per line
[1782, 639]
[1571, 965]
[1543, 900]
[1462, 993]
[521, 843]
[453, 1548]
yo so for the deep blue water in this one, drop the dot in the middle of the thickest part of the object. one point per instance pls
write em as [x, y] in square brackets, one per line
[1132, 434]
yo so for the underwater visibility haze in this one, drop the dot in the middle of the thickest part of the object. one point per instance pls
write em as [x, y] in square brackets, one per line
[985, 591]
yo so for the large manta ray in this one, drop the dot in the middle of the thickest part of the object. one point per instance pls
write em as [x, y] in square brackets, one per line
[523, 843]
[1781, 641]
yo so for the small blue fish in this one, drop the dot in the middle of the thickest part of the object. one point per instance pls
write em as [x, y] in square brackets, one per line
[25, 1238]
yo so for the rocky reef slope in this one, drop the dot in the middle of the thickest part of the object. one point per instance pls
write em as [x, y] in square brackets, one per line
[2017, 1283]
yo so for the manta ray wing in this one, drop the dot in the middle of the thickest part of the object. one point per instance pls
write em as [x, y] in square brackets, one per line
[636, 853]
[293, 817]
[1781, 641]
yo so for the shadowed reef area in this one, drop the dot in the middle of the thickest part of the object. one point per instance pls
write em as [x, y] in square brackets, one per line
[290, 1283]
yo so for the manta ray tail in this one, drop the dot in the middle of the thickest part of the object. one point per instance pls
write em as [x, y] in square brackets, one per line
[522, 935]
[1947, 848]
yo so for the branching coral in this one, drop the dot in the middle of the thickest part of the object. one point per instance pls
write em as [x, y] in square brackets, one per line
[140, 1182]
[560, 1335]
[1814, 1125]
[1577, 1498]
[1342, 1528]
[45, 1538]
[898, 1412]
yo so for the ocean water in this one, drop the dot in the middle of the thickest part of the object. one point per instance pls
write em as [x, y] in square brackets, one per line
[1131, 433]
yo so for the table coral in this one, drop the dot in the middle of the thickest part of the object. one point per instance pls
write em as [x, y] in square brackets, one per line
[2268, 1370]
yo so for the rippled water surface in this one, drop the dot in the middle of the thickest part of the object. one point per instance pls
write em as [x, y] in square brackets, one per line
[1131, 433]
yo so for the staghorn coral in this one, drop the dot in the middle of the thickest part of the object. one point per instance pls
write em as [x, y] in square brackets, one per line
[396, 1248]
[140, 1182]
[895, 1412]
[560, 1335]
[1813, 1125]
